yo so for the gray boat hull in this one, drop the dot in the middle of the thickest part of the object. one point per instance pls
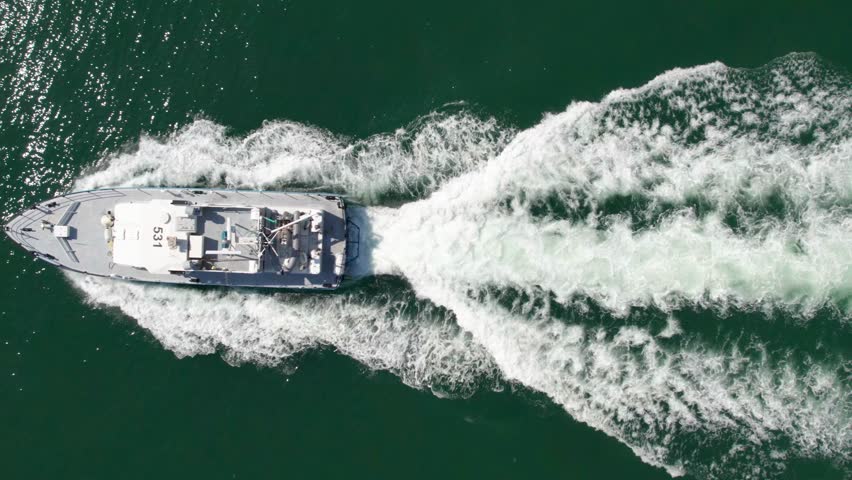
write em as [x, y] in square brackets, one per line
[85, 249]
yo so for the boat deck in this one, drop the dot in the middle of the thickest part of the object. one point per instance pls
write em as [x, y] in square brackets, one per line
[213, 222]
[86, 250]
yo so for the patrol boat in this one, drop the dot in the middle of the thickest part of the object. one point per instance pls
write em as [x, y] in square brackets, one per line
[233, 238]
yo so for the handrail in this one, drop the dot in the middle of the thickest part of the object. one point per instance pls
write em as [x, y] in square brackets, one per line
[194, 190]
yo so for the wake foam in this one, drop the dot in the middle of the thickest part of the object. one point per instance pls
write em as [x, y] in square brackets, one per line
[658, 397]
[683, 260]
[411, 162]
[767, 154]
[386, 330]
[656, 392]
[736, 140]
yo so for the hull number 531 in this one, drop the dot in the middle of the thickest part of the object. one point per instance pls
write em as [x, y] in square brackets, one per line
[158, 236]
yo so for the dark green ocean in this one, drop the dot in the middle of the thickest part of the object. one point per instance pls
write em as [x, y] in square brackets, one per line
[600, 240]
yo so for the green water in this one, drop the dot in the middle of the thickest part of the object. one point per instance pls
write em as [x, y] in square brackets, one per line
[94, 388]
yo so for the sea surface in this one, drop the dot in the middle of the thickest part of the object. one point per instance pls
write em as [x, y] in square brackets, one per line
[600, 240]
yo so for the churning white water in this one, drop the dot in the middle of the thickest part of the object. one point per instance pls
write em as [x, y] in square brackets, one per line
[768, 152]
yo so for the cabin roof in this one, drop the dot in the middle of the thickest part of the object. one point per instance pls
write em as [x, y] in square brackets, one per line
[153, 235]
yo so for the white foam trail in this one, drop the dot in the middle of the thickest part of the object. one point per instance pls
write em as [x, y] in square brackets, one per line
[408, 162]
[651, 392]
[672, 328]
[671, 140]
[802, 262]
[635, 389]
[266, 329]
[684, 259]
[628, 384]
